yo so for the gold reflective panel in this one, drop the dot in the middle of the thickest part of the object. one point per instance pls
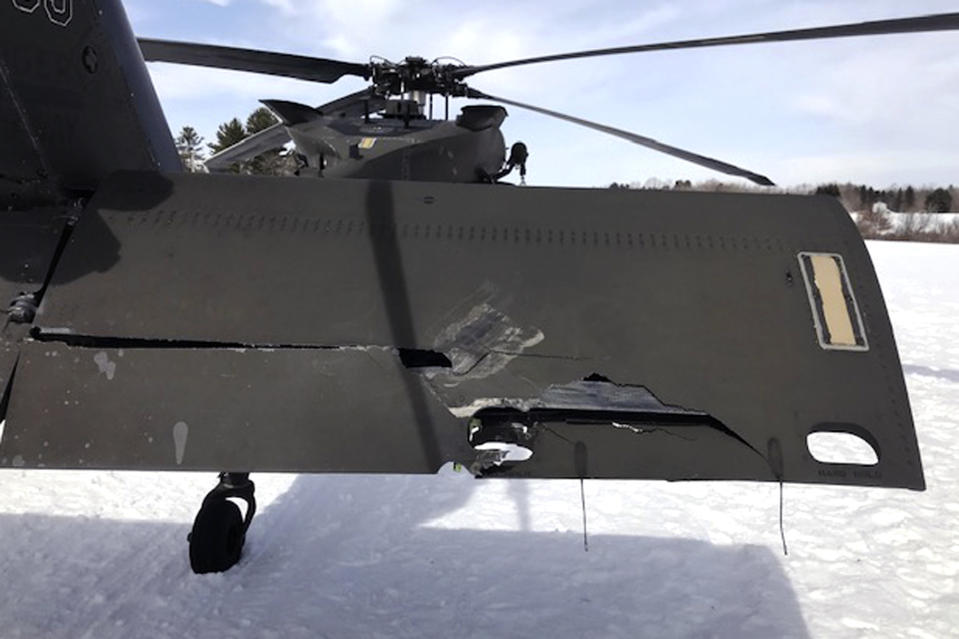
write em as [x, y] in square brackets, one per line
[827, 277]
[835, 313]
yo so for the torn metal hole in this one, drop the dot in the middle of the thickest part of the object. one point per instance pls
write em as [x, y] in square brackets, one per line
[596, 377]
[418, 358]
[505, 452]
[501, 442]
[838, 447]
[636, 420]
[508, 426]
[594, 402]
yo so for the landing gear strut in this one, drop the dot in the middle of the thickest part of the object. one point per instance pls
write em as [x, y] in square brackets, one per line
[219, 529]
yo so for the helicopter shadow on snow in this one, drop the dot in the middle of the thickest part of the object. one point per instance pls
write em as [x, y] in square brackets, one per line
[944, 374]
[357, 556]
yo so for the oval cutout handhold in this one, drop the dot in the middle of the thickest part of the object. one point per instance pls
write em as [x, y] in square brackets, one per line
[841, 448]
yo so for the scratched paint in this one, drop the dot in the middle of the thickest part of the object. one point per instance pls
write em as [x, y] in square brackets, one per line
[485, 341]
[579, 395]
[106, 367]
[180, 433]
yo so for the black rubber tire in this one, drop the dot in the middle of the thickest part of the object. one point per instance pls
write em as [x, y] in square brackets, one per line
[216, 540]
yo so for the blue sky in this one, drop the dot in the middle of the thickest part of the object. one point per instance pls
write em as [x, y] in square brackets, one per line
[879, 110]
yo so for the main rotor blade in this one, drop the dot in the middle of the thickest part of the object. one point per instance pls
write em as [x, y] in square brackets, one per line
[695, 158]
[254, 61]
[937, 22]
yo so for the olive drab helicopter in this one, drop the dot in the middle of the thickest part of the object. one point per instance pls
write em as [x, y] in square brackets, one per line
[340, 139]
[413, 314]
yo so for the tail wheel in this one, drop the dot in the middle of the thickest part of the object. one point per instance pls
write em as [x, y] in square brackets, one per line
[216, 540]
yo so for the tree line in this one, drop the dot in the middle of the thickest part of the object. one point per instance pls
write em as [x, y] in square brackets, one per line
[904, 200]
[855, 197]
[193, 153]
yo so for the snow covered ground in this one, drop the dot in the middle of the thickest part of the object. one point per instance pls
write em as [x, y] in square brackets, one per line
[897, 223]
[103, 555]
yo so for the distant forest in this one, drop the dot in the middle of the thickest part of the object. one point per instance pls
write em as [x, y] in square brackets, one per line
[894, 213]
[855, 197]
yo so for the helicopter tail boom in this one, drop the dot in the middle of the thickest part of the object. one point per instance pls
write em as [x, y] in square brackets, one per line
[76, 102]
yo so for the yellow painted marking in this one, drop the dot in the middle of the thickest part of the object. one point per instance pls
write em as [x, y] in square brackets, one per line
[367, 143]
[834, 308]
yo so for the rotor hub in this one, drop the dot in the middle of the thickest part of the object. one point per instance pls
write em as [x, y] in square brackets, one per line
[416, 74]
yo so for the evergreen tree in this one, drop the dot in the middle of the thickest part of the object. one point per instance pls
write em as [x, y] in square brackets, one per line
[260, 119]
[897, 200]
[274, 161]
[189, 144]
[909, 198]
[228, 134]
[939, 201]
[828, 189]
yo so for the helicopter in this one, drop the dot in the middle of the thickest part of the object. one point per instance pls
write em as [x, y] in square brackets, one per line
[405, 142]
[397, 315]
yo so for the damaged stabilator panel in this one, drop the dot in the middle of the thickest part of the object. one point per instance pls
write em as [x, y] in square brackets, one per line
[380, 321]
[394, 327]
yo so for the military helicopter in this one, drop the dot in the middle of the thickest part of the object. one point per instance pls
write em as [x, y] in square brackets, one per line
[399, 144]
[407, 317]
[340, 139]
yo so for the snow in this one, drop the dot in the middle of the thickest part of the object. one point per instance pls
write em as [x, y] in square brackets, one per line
[103, 554]
[929, 222]
[899, 222]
